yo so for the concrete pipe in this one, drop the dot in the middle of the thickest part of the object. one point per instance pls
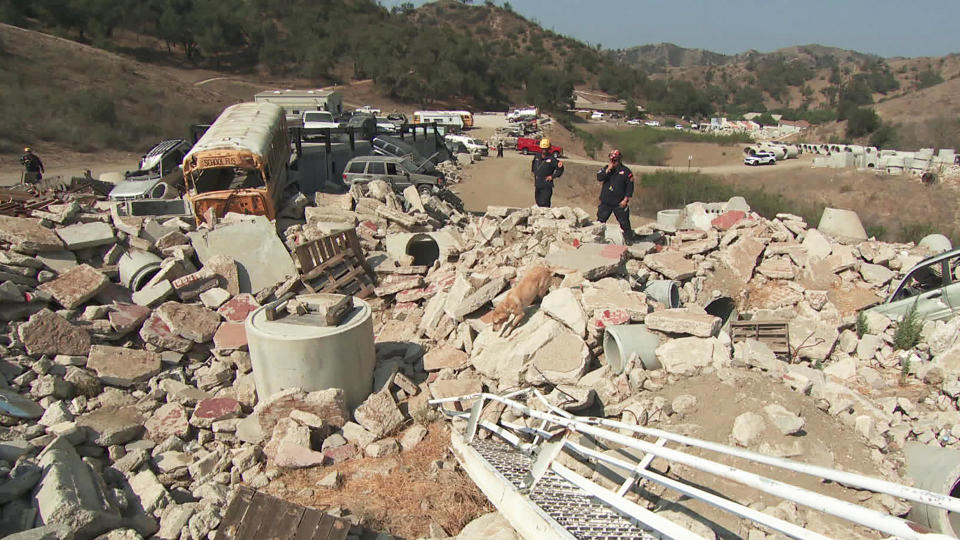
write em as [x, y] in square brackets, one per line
[779, 152]
[750, 150]
[936, 243]
[938, 470]
[792, 150]
[669, 219]
[665, 291]
[724, 308]
[620, 342]
[424, 249]
[137, 267]
[294, 352]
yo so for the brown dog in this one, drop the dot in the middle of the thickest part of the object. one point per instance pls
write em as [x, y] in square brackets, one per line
[525, 291]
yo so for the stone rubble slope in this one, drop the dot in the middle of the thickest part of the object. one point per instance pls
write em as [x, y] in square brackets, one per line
[148, 416]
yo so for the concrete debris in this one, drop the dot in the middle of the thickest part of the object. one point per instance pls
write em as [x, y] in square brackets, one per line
[145, 400]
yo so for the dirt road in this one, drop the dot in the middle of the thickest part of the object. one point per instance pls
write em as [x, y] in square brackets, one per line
[69, 164]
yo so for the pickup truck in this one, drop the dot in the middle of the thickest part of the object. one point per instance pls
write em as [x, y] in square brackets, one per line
[527, 146]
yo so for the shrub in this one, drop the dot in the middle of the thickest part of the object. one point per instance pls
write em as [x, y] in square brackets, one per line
[861, 121]
[862, 326]
[907, 334]
[914, 232]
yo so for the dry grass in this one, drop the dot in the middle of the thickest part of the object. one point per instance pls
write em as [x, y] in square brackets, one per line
[403, 502]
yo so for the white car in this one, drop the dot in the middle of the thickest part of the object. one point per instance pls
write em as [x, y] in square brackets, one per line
[319, 120]
[634, 122]
[652, 123]
[597, 115]
[931, 289]
[760, 158]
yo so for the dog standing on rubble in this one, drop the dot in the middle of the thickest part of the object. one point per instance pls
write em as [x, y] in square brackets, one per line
[510, 310]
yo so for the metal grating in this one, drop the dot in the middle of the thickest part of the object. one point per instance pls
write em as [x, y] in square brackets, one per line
[580, 514]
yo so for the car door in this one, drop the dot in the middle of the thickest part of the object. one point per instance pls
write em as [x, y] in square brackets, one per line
[924, 289]
[376, 170]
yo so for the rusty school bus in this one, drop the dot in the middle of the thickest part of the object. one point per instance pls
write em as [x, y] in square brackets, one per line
[241, 164]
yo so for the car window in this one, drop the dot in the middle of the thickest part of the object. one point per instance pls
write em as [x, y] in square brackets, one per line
[376, 167]
[391, 168]
[923, 279]
[356, 167]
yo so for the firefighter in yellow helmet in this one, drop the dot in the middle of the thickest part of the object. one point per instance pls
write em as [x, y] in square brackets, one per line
[32, 166]
[546, 168]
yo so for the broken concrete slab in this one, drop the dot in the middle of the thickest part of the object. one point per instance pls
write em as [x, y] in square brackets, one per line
[453, 388]
[816, 244]
[58, 261]
[48, 333]
[842, 224]
[86, 235]
[230, 335]
[214, 298]
[196, 323]
[685, 356]
[594, 261]
[563, 305]
[226, 268]
[26, 234]
[168, 420]
[125, 318]
[747, 429]
[75, 286]
[327, 404]
[445, 357]
[193, 285]
[379, 414]
[562, 360]
[156, 332]
[261, 258]
[153, 295]
[212, 410]
[682, 321]
[479, 298]
[71, 494]
[111, 425]
[742, 256]
[237, 308]
[119, 366]
[671, 264]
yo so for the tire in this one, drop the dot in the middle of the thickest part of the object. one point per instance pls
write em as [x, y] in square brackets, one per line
[556, 155]
[425, 190]
[525, 152]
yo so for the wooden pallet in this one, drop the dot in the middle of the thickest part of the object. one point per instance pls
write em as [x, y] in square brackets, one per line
[775, 334]
[335, 264]
[254, 515]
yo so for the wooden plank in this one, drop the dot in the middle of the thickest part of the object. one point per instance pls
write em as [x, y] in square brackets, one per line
[307, 529]
[284, 524]
[263, 508]
[234, 514]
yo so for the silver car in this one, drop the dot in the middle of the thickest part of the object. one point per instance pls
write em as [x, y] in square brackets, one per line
[400, 173]
[932, 287]
[159, 175]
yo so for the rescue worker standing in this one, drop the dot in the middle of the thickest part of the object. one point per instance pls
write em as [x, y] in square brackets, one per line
[33, 167]
[546, 169]
[615, 193]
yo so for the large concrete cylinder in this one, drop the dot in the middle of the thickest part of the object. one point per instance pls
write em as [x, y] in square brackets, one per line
[290, 352]
[938, 470]
[136, 267]
[622, 341]
[665, 291]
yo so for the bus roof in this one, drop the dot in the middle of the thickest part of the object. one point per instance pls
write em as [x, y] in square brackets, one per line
[245, 126]
[294, 93]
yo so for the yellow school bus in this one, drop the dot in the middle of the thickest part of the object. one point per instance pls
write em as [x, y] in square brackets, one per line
[241, 164]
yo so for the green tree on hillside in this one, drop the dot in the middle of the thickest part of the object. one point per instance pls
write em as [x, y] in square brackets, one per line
[861, 121]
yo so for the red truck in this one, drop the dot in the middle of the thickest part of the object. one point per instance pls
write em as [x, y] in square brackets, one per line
[527, 146]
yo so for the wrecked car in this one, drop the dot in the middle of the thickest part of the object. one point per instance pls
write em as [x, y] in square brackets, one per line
[158, 176]
[400, 173]
[932, 288]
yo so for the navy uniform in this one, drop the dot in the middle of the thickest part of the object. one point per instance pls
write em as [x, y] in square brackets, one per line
[617, 186]
[33, 167]
[546, 169]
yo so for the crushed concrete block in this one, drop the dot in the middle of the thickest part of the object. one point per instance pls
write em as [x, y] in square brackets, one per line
[479, 298]
[119, 366]
[86, 235]
[230, 336]
[226, 268]
[213, 410]
[816, 244]
[214, 298]
[192, 285]
[842, 224]
[48, 333]
[681, 321]
[562, 360]
[563, 305]
[125, 318]
[192, 322]
[150, 492]
[58, 261]
[327, 404]
[685, 356]
[112, 425]
[876, 274]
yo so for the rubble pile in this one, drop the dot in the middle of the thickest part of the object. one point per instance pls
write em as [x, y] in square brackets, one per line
[127, 400]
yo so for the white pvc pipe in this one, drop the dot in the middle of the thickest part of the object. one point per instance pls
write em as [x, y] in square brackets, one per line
[824, 503]
[842, 477]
